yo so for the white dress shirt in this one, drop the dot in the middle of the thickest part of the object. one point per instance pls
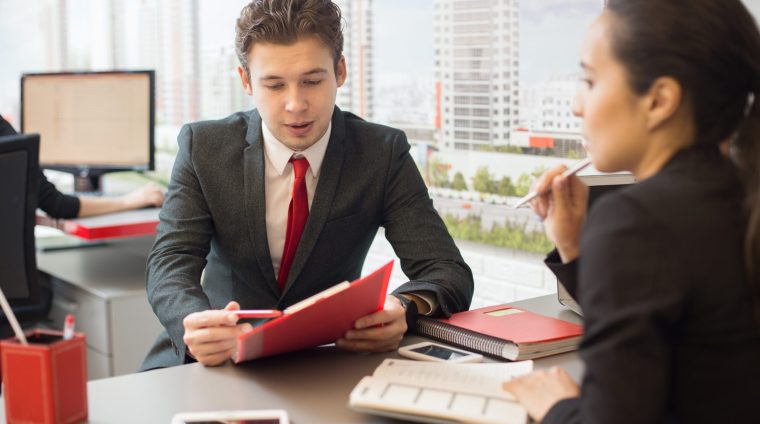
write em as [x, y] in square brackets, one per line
[278, 185]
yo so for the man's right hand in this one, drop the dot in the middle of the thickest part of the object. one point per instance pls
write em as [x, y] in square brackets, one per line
[211, 336]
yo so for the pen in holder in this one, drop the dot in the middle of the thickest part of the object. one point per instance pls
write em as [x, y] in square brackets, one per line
[45, 381]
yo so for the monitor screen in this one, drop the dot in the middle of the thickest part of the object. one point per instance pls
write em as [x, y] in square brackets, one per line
[18, 200]
[91, 121]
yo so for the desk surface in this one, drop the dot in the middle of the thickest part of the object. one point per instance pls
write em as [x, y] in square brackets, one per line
[313, 385]
[114, 269]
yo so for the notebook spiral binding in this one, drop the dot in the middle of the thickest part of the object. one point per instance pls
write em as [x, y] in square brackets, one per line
[465, 338]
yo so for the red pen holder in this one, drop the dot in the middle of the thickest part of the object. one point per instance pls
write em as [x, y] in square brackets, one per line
[46, 380]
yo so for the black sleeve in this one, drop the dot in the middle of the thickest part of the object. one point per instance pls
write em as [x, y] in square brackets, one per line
[566, 411]
[567, 273]
[54, 203]
[419, 237]
[6, 128]
[49, 199]
[183, 241]
[632, 304]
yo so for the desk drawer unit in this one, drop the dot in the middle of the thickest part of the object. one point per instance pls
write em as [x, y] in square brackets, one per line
[91, 319]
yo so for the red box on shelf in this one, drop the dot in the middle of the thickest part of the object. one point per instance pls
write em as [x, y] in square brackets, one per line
[46, 380]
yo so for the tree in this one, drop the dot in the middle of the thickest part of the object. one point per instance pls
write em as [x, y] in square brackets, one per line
[438, 173]
[506, 188]
[459, 182]
[524, 182]
[481, 181]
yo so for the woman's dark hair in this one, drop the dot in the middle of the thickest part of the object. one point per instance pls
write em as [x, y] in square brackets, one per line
[712, 48]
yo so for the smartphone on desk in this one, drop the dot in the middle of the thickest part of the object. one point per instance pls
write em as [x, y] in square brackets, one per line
[259, 416]
[429, 351]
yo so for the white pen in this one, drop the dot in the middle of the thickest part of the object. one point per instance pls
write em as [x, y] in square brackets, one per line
[12, 318]
[571, 171]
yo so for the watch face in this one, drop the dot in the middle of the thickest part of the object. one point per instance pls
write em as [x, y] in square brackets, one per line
[405, 301]
[410, 310]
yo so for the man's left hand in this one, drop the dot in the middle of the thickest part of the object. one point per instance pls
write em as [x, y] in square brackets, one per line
[378, 332]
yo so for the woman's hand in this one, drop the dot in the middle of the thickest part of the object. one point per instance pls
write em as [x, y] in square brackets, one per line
[562, 209]
[540, 390]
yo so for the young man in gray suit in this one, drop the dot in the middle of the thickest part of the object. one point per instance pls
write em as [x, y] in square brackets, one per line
[276, 204]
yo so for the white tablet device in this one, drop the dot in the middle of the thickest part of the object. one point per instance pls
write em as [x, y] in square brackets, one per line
[260, 416]
[430, 351]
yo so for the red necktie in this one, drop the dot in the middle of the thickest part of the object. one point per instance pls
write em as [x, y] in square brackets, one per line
[298, 213]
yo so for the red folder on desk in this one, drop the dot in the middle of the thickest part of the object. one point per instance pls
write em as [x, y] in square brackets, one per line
[122, 224]
[320, 319]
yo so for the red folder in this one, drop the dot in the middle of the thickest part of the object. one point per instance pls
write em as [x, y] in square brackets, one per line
[514, 324]
[121, 224]
[319, 320]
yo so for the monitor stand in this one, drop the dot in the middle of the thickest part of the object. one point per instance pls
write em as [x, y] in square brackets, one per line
[85, 182]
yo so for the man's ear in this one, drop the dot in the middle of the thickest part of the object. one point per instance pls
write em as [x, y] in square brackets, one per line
[341, 72]
[663, 100]
[244, 78]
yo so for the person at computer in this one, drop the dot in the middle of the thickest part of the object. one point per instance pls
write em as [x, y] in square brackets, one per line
[61, 206]
[276, 204]
[666, 271]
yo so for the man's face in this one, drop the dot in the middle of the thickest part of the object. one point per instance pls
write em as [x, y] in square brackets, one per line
[294, 87]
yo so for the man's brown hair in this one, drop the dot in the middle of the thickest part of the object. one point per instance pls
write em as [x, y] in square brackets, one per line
[284, 22]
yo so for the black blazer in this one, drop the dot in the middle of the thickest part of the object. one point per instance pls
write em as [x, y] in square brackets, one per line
[669, 330]
[214, 218]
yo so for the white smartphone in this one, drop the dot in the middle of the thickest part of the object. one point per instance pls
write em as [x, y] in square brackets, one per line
[429, 351]
[260, 416]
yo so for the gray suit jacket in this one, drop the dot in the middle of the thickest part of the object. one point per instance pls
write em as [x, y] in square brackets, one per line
[213, 218]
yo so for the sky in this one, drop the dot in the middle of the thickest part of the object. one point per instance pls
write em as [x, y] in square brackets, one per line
[551, 33]
[412, 25]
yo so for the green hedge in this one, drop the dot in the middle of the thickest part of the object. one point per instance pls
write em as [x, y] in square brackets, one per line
[509, 235]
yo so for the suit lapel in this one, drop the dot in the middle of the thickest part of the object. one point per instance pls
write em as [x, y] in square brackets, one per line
[329, 176]
[255, 199]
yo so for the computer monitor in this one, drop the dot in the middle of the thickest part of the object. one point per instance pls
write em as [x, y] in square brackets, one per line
[598, 185]
[91, 122]
[19, 174]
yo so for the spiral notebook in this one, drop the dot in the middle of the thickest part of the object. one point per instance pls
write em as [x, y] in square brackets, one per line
[504, 331]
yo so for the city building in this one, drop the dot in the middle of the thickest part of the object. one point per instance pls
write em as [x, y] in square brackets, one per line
[547, 123]
[477, 69]
[222, 92]
[356, 95]
[178, 70]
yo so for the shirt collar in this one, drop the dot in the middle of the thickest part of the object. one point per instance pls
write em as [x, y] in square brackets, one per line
[279, 154]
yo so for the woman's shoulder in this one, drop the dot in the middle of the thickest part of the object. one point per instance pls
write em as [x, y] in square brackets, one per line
[689, 212]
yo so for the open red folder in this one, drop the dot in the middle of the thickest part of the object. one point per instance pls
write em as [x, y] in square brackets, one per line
[317, 320]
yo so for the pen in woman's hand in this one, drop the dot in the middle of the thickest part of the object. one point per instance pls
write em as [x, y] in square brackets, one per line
[571, 171]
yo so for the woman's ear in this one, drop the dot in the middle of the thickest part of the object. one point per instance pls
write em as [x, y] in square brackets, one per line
[662, 101]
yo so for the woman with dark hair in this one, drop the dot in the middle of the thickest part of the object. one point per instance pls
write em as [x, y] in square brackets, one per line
[666, 271]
